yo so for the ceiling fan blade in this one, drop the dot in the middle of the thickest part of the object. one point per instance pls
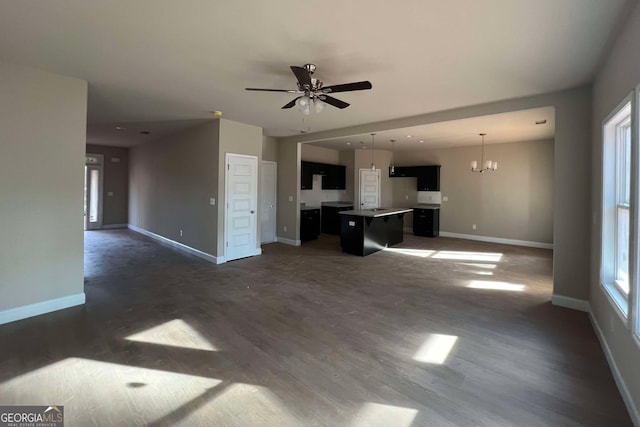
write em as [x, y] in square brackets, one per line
[348, 87]
[273, 90]
[333, 101]
[291, 104]
[304, 79]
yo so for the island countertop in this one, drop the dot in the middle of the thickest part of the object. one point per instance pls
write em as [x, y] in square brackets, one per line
[373, 213]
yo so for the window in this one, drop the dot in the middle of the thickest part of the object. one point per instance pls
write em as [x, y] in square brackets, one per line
[616, 204]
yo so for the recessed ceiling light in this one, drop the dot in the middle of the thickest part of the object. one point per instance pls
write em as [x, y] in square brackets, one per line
[422, 140]
[348, 143]
[145, 132]
[120, 128]
[409, 136]
[541, 122]
[217, 113]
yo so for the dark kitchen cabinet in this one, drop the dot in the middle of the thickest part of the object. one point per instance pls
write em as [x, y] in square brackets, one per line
[331, 218]
[306, 176]
[402, 171]
[429, 178]
[426, 222]
[309, 224]
[333, 176]
[336, 178]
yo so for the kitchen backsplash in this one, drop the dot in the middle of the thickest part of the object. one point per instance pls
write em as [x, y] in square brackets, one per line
[317, 195]
[430, 197]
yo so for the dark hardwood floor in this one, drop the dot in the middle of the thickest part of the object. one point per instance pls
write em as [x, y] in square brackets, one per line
[435, 332]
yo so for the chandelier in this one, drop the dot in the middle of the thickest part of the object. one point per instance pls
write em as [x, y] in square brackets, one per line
[487, 165]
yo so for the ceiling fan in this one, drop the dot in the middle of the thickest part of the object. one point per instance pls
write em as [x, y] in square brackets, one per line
[312, 90]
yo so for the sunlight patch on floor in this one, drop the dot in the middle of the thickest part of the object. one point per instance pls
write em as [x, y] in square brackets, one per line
[471, 256]
[376, 414]
[103, 393]
[436, 348]
[483, 273]
[479, 265]
[498, 286]
[422, 253]
[175, 333]
[243, 405]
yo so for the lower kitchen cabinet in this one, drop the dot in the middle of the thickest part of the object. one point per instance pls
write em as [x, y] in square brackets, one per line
[426, 222]
[331, 218]
[309, 224]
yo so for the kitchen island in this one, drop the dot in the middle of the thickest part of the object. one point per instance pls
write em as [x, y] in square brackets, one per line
[365, 231]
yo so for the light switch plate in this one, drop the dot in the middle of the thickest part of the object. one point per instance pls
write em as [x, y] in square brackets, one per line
[445, 199]
[212, 201]
[291, 198]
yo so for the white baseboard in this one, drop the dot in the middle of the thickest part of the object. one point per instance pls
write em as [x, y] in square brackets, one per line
[288, 241]
[572, 303]
[113, 226]
[42, 307]
[622, 387]
[211, 258]
[498, 240]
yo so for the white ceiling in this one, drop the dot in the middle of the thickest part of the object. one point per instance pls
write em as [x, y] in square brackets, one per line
[514, 126]
[164, 60]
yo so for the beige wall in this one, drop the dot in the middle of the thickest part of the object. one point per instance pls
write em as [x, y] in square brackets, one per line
[618, 76]
[514, 202]
[269, 148]
[348, 158]
[571, 185]
[42, 146]
[115, 208]
[311, 153]
[171, 181]
[236, 138]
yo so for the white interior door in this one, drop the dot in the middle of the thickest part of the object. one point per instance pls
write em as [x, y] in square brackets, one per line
[241, 225]
[268, 177]
[93, 192]
[369, 188]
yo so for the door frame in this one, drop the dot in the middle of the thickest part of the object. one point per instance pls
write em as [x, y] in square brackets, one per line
[360, 185]
[275, 202]
[100, 167]
[257, 250]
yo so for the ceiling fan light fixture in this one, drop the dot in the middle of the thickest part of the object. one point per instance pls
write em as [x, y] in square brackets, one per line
[318, 105]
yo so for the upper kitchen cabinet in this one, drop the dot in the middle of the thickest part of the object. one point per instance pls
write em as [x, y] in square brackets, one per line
[336, 178]
[333, 176]
[403, 171]
[429, 178]
[306, 176]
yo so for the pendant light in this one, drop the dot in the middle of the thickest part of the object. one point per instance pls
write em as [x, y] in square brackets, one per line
[373, 164]
[484, 166]
[393, 168]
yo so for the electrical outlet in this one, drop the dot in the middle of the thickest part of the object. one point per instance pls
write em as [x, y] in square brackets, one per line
[212, 201]
[285, 228]
[180, 233]
[473, 227]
